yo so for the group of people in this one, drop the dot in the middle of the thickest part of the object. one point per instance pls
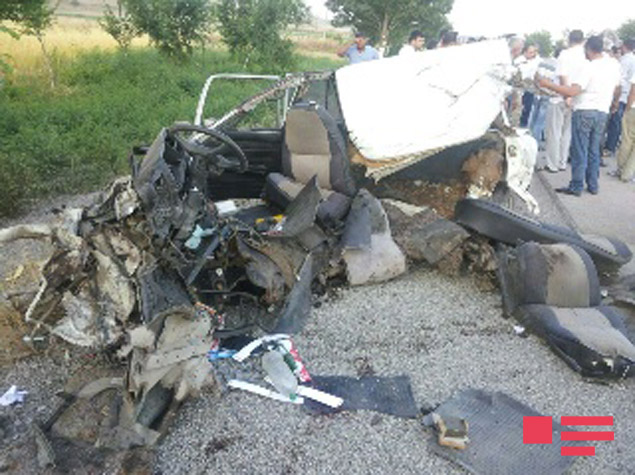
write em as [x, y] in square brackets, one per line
[584, 104]
[361, 51]
[582, 101]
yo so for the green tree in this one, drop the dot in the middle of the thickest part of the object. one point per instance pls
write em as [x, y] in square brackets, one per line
[542, 39]
[119, 25]
[253, 29]
[389, 21]
[627, 30]
[33, 18]
[174, 26]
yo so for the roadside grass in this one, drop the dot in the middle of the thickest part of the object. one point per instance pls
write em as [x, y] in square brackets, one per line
[77, 137]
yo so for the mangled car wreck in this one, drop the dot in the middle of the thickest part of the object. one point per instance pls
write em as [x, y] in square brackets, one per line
[211, 250]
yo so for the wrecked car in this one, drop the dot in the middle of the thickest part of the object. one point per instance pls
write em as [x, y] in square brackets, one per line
[224, 231]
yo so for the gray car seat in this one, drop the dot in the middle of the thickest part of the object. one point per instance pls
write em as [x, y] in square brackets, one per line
[554, 291]
[313, 146]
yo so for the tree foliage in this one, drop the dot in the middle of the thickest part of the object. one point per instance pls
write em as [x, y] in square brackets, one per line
[253, 29]
[627, 30]
[388, 22]
[174, 26]
[33, 17]
[542, 39]
[119, 25]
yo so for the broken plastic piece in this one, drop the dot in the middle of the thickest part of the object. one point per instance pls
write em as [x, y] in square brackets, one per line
[247, 350]
[253, 388]
[391, 395]
[452, 431]
[220, 354]
[197, 236]
[320, 396]
[297, 307]
[281, 375]
[226, 208]
[12, 396]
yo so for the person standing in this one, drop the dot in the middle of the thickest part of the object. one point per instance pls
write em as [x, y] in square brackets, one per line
[558, 120]
[537, 118]
[626, 154]
[416, 42]
[359, 51]
[592, 88]
[449, 38]
[614, 129]
[512, 102]
[527, 64]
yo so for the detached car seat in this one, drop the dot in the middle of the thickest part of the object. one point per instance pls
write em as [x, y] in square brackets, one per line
[555, 292]
[313, 146]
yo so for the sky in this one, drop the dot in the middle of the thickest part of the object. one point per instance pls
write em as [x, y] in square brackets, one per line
[497, 17]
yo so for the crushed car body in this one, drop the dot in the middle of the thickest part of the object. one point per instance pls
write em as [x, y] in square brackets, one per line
[169, 278]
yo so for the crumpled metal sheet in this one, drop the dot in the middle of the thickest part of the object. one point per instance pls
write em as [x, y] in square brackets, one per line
[301, 212]
[162, 375]
[436, 99]
[160, 289]
[262, 272]
[383, 260]
[82, 324]
[115, 290]
[521, 152]
[297, 307]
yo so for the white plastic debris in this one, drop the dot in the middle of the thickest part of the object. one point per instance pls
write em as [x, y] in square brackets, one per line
[247, 350]
[519, 330]
[320, 396]
[12, 396]
[226, 208]
[253, 388]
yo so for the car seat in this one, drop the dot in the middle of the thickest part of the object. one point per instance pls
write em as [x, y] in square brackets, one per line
[555, 292]
[313, 146]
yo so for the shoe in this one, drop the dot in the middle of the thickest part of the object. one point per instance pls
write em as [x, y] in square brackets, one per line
[551, 171]
[568, 191]
[593, 192]
[614, 173]
[562, 168]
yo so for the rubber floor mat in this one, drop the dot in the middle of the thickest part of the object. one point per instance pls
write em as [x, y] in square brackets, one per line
[389, 395]
[496, 437]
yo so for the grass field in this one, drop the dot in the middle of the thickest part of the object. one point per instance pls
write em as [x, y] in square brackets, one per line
[78, 136]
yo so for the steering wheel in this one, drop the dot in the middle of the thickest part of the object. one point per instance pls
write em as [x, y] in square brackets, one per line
[216, 149]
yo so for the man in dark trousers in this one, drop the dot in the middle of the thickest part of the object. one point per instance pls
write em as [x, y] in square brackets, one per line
[592, 88]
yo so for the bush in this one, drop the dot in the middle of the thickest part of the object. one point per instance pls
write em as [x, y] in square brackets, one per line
[252, 29]
[120, 26]
[173, 26]
[627, 30]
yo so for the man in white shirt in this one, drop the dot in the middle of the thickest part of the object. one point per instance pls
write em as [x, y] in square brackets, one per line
[558, 122]
[414, 45]
[592, 89]
[627, 64]
[626, 154]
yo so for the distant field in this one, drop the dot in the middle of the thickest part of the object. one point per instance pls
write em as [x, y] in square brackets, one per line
[71, 35]
[77, 136]
[66, 38]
